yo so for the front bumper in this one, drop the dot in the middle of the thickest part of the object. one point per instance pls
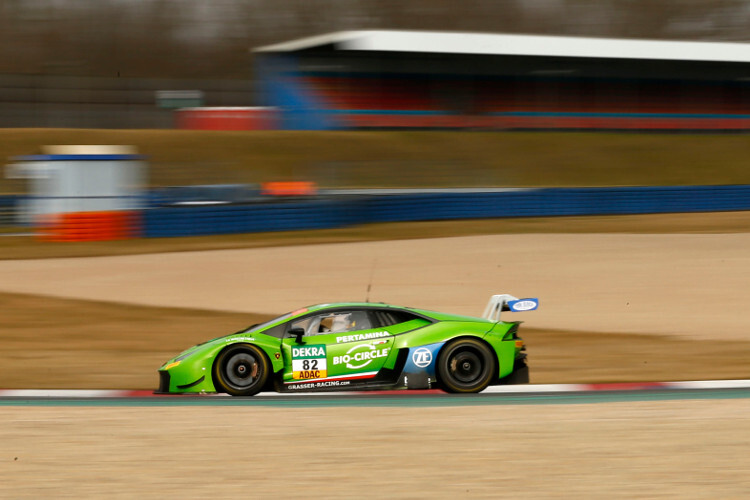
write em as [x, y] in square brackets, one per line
[181, 383]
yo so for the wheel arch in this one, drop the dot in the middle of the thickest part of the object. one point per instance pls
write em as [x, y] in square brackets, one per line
[270, 348]
[217, 356]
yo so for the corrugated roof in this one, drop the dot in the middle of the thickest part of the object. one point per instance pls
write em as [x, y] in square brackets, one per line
[519, 45]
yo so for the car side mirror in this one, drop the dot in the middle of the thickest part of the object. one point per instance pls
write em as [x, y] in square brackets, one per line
[297, 333]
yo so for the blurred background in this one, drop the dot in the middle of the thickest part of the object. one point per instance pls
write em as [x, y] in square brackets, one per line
[98, 63]
[247, 102]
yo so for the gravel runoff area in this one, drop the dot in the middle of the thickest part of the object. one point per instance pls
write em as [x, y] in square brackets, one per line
[669, 449]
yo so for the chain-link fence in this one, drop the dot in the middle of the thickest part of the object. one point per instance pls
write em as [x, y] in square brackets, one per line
[127, 103]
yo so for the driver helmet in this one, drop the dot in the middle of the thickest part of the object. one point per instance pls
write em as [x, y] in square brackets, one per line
[341, 323]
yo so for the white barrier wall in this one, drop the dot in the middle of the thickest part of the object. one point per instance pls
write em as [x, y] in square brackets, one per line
[81, 179]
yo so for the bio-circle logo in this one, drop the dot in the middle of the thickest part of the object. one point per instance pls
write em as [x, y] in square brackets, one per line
[422, 357]
[351, 355]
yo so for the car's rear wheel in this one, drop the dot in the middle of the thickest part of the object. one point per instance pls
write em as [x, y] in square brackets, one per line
[465, 365]
[241, 370]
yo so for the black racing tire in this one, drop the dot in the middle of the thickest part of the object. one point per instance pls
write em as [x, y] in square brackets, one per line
[465, 365]
[241, 370]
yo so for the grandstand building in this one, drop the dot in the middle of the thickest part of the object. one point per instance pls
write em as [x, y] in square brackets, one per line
[411, 79]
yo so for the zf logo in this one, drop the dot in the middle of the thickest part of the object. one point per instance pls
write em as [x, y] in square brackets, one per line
[422, 357]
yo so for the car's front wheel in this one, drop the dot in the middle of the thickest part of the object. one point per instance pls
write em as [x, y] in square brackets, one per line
[465, 365]
[241, 370]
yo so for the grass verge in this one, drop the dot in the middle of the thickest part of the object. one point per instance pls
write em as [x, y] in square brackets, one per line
[415, 158]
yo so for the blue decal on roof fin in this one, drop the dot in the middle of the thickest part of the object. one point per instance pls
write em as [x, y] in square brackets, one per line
[523, 305]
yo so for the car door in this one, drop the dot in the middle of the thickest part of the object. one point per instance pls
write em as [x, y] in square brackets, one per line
[338, 347]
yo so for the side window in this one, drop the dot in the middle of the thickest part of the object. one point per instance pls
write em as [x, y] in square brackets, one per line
[305, 323]
[336, 322]
[388, 318]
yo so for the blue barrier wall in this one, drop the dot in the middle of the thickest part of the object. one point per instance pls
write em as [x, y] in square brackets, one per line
[343, 211]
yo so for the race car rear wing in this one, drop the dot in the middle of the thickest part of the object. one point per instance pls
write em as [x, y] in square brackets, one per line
[505, 302]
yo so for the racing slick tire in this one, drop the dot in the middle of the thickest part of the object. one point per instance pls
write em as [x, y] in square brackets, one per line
[241, 370]
[465, 365]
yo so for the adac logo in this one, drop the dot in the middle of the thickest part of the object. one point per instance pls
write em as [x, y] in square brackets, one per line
[422, 357]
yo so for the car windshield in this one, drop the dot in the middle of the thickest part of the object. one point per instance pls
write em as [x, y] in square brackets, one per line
[263, 326]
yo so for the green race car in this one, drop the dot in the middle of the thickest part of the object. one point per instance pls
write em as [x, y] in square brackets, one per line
[358, 346]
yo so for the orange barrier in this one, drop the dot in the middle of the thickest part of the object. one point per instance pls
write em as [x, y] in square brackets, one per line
[289, 188]
[89, 226]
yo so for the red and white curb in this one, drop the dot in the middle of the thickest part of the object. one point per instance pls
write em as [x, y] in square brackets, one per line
[623, 386]
[500, 389]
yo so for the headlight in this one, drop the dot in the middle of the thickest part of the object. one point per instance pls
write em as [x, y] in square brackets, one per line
[177, 360]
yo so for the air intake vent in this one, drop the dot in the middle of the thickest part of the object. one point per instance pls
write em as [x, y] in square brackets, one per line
[163, 382]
